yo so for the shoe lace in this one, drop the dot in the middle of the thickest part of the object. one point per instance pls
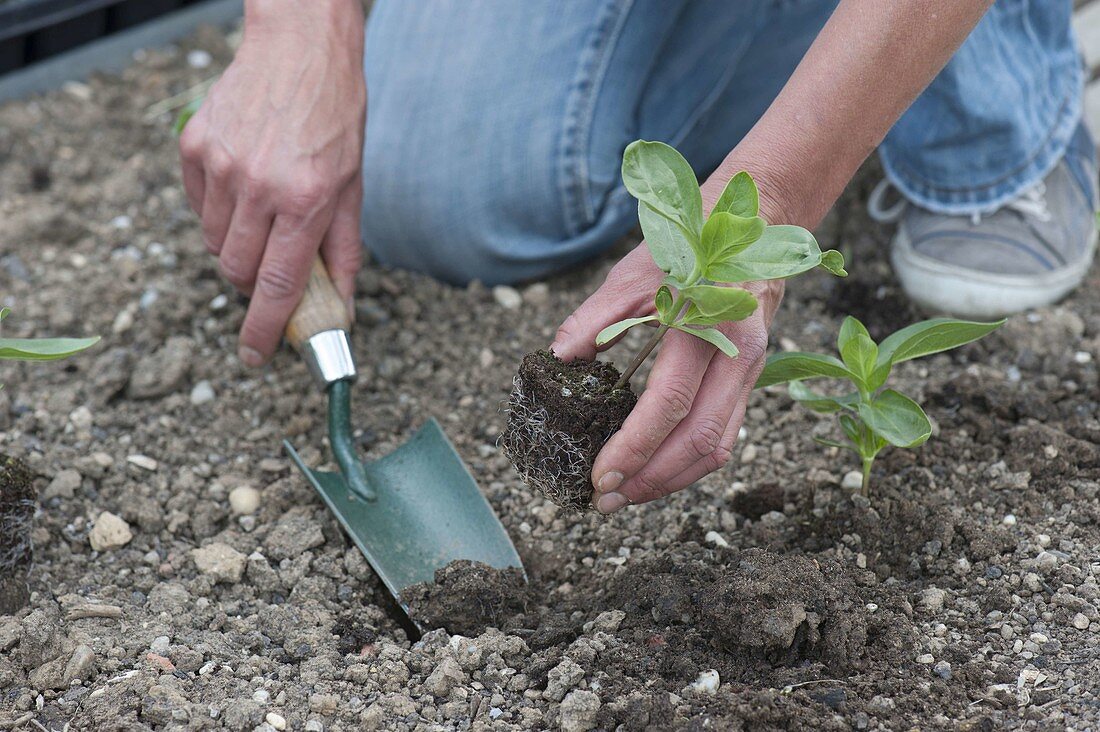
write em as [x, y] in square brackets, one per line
[1031, 203]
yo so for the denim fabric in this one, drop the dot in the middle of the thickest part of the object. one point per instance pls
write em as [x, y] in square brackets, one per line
[495, 128]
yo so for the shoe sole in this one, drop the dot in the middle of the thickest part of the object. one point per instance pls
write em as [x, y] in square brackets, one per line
[939, 288]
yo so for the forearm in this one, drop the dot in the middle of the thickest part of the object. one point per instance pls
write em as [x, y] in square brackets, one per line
[266, 19]
[868, 64]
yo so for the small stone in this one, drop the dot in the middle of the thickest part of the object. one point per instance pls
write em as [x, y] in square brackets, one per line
[202, 393]
[263, 696]
[142, 461]
[1082, 357]
[1047, 561]
[160, 645]
[63, 485]
[579, 710]
[445, 677]
[219, 302]
[943, 670]
[81, 665]
[707, 683]
[244, 500]
[537, 294]
[1032, 583]
[713, 537]
[932, 599]
[199, 59]
[748, 453]
[1043, 540]
[507, 297]
[275, 720]
[852, 481]
[608, 621]
[1009, 519]
[220, 561]
[109, 532]
[1080, 621]
[925, 658]
[562, 678]
[314, 725]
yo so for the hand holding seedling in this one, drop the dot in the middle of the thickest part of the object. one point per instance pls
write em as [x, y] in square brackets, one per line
[715, 335]
[271, 160]
[871, 416]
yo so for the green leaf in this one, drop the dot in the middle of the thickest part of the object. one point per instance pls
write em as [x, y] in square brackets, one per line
[724, 235]
[821, 403]
[857, 349]
[795, 365]
[670, 248]
[932, 336]
[614, 330]
[833, 261]
[897, 419]
[739, 197]
[878, 375]
[4, 312]
[836, 443]
[186, 114]
[713, 337]
[42, 349]
[657, 175]
[663, 302]
[850, 425]
[780, 252]
[711, 304]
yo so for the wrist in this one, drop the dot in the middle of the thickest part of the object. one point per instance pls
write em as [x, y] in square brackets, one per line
[335, 16]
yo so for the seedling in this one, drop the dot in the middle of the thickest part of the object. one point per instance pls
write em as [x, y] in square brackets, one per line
[871, 416]
[732, 245]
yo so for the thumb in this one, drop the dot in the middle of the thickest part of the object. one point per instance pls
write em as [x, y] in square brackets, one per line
[626, 293]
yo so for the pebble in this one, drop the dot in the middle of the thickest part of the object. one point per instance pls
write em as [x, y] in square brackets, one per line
[748, 453]
[1082, 357]
[143, 461]
[220, 561]
[537, 294]
[943, 670]
[244, 500]
[852, 481]
[202, 393]
[507, 297]
[109, 532]
[713, 537]
[160, 644]
[932, 599]
[707, 683]
[199, 59]
[275, 720]
[578, 711]
[63, 485]
[925, 658]
[1009, 519]
[1046, 561]
[1080, 621]
[263, 696]
[219, 302]
[314, 725]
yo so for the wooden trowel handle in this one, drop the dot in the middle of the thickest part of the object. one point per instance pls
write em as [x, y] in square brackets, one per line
[319, 327]
[320, 308]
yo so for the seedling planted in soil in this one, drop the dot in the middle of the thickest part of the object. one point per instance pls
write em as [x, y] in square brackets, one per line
[560, 415]
[17, 497]
[871, 416]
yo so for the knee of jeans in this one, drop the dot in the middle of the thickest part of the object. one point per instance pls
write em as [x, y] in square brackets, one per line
[460, 222]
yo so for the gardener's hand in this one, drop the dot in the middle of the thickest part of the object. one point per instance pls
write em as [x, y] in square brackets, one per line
[688, 417]
[271, 160]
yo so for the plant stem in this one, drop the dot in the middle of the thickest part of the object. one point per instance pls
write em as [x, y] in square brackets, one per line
[677, 306]
[641, 357]
[865, 489]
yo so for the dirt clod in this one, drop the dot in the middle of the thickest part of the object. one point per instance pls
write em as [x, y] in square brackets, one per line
[559, 416]
[468, 597]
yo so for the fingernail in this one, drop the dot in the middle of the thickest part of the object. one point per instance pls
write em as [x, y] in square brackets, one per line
[250, 357]
[611, 502]
[609, 481]
[555, 348]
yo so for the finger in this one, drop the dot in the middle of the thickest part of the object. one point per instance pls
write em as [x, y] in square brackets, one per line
[191, 167]
[697, 437]
[342, 247]
[217, 205]
[668, 398]
[626, 293]
[643, 492]
[244, 245]
[280, 282]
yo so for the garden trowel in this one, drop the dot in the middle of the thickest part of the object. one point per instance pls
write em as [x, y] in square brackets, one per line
[412, 511]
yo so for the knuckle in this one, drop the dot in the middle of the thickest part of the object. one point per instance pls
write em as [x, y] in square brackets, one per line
[718, 458]
[234, 271]
[648, 487]
[676, 400]
[704, 438]
[277, 282]
[305, 196]
[191, 145]
[219, 164]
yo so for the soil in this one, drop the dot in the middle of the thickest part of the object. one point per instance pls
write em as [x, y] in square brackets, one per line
[468, 597]
[17, 505]
[559, 417]
[962, 595]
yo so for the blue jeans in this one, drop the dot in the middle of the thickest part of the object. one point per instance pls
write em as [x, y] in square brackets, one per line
[495, 127]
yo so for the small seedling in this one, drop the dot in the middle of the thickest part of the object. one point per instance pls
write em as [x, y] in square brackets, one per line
[733, 245]
[871, 416]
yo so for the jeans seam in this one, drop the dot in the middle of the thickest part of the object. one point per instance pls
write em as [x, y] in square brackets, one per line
[580, 112]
